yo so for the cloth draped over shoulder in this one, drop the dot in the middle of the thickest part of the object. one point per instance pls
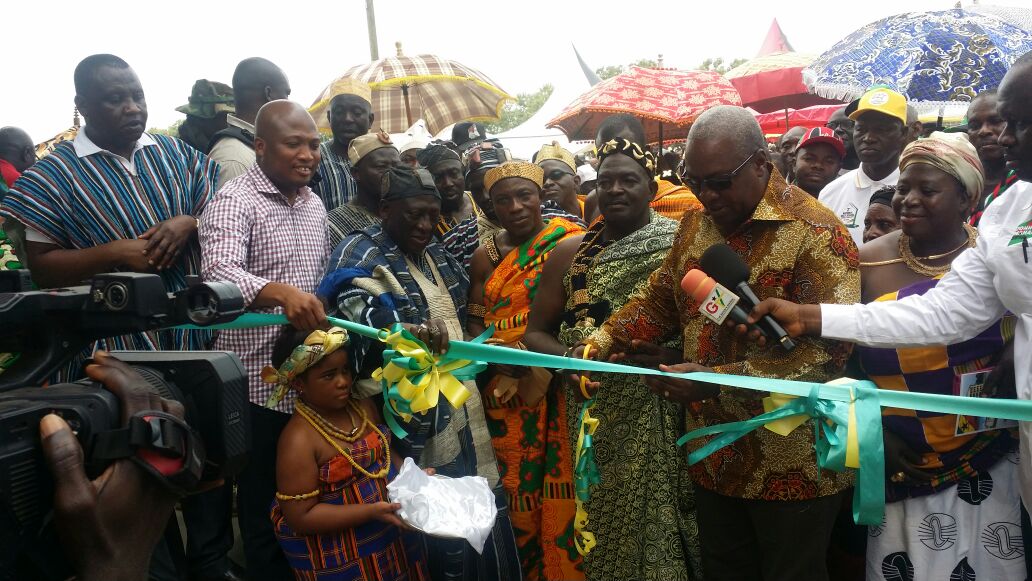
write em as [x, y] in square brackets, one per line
[535, 456]
[510, 289]
[644, 474]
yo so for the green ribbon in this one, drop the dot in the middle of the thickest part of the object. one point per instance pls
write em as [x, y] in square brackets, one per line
[399, 405]
[818, 400]
[831, 432]
[585, 472]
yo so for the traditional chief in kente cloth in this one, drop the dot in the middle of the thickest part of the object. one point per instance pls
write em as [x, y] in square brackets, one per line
[764, 508]
[644, 472]
[394, 272]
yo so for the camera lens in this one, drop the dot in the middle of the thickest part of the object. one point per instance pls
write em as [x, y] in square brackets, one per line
[116, 296]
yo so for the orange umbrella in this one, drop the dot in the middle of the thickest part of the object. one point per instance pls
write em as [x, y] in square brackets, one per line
[670, 98]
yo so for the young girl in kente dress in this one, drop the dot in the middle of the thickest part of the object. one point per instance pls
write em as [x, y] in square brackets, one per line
[332, 515]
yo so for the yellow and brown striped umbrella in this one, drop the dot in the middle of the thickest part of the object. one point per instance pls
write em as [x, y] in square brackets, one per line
[405, 89]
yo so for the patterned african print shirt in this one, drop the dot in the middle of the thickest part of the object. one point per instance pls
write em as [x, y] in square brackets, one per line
[336, 185]
[81, 196]
[251, 236]
[797, 250]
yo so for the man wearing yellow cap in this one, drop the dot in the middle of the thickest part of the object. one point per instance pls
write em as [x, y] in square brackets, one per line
[561, 179]
[878, 137]
[369, 157]
[350, 114]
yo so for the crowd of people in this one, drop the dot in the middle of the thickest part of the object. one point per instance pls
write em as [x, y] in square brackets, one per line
[914, 243]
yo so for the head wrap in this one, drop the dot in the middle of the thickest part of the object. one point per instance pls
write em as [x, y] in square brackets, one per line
[363, 145]
[208, 99]
[485, 156]
[556, 152]
[434, 154]
[514, 169]
[316, 346]
[632, 150]
[883, 196]
[405, 182]
[953, 154]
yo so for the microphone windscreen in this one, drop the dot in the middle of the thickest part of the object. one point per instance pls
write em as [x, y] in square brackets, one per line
[697, 285]
[724, 265]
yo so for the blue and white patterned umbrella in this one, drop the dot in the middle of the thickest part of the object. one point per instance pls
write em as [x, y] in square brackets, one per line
[934, 58]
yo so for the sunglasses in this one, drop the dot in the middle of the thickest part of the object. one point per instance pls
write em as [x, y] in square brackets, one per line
[716, 183]
[557, 174]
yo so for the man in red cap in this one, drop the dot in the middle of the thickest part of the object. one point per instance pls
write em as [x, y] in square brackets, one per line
[818, 159]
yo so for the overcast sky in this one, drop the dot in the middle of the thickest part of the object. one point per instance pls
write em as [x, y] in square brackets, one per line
[170, 44]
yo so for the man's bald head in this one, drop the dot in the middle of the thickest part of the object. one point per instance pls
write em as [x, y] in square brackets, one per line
[16, 148]
[1014, 107]
[914, 126]
[256, 81]
[732, 124]
[286, 144]
[726, 165]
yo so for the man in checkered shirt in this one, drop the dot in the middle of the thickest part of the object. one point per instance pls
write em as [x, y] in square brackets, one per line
[265, 231]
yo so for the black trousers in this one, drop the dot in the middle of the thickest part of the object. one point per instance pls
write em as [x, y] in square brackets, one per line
[256, 489]
[761, 540]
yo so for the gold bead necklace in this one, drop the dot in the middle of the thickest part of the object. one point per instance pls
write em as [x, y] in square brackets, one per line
[310, 415]
[917, 264]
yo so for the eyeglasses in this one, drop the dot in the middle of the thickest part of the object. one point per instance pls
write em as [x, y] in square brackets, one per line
[557, 174]
[717, 183]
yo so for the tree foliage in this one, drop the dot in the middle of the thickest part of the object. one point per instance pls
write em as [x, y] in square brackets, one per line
[517, 112]
[171, 130]
[610, 71]
[717, 64]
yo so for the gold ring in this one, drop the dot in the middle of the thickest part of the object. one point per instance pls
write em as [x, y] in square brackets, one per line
[898, 477]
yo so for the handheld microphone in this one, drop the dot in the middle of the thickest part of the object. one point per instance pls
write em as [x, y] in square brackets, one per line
[716, 303]
[724, 265]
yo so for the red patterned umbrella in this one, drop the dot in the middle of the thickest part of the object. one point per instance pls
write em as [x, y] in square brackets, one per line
[670, 98]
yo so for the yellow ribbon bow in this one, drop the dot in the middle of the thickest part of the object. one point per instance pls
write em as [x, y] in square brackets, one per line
[413, 378]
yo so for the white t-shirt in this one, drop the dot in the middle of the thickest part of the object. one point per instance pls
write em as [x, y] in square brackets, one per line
[850, 195]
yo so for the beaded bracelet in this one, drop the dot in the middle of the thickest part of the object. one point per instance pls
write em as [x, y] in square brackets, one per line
[305, 496]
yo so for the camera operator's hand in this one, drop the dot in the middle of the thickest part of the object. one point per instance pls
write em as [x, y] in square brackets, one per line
[166, 240]
[108, 526]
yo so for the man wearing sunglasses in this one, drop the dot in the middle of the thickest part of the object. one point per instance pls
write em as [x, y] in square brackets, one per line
[764, 508]
[561, 180]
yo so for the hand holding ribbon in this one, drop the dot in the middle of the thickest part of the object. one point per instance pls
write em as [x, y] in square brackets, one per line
[413, 378]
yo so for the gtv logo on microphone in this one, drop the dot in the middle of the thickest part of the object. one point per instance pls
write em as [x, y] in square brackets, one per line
[718, 304]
